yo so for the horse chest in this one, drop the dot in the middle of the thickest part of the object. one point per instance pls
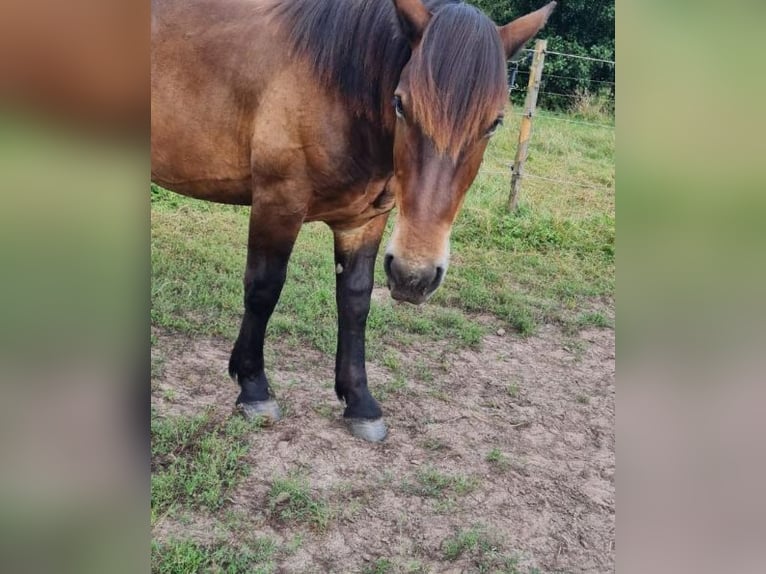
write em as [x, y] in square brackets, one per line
[353, 205]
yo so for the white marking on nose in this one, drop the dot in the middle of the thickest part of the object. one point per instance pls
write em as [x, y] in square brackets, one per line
[338, 269]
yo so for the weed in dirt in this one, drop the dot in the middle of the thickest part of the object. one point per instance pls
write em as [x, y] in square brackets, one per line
[292, 547]
[196, 460]
[497, 459]
[324, 411]
[433, 444]
[582, 399]
[593, 319]
[236, 519]
[492, 403]
[351, 501]
[380, 566]
[464, 541]
[483, 550]
[391, 387]
[386, 478]
[429, 482]
[157, 365]
[439, 395]
[576, 346]
[444, 505]
[432, 483]
[186, 556]
[415, 567]
[464, 484]
[423, 371]
[291, 500]
[352, 509]
[495, 455]
[513, 390]
[391, 361]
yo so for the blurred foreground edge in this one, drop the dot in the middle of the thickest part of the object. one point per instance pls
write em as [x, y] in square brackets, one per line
[83, 63]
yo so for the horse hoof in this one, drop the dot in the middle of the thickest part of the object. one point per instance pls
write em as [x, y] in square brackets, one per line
[268, 410]
[369, 430]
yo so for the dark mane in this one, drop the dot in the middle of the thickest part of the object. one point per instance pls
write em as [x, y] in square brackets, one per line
[355, 46]
[458, 77]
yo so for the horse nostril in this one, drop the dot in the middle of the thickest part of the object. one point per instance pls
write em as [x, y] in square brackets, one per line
[387, 260]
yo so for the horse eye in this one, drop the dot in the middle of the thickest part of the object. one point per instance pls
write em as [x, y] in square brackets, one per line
[398, 107]
[493, 128]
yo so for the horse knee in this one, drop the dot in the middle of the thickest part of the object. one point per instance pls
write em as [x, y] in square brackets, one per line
[263, 294]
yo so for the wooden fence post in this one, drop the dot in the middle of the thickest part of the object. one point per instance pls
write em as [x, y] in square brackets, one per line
[525, 130]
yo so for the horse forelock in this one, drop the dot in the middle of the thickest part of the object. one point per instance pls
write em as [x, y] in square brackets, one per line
[457, 77]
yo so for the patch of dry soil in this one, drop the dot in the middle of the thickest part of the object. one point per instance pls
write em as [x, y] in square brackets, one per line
[545, 402]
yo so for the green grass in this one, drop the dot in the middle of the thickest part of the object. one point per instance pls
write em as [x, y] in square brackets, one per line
[593, 319]
[415, 567]
[196, 461]
[433, 444]
[380, 566]
[465, 541]
[186, 557]
[432, 483]
[290, 499]
[582, 399]
[157, 365]
[484, 551]
[324, 410]
[497, 459]
[391, 387]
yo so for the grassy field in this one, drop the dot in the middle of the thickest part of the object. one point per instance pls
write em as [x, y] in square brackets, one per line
[551, 263]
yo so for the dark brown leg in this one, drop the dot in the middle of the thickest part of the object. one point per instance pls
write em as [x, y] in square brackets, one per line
[271, 240]
[355, 252]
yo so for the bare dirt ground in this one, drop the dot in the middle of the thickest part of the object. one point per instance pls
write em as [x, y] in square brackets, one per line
[546, 403]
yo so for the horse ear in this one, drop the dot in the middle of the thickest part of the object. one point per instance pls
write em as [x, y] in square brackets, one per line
[515, 34]
[413, 18]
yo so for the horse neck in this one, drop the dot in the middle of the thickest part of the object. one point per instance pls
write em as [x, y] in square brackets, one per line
[383, 124]
[372, 145]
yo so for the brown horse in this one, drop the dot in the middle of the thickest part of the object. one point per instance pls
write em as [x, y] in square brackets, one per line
[334, 111]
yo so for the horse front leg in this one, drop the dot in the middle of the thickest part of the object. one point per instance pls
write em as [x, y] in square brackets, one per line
[271, 240]
[355, 253]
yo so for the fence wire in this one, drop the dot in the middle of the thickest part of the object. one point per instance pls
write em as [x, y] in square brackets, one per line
[551, 179]
[514, 71]
[579, 79]
[578, 57]
[581, 122]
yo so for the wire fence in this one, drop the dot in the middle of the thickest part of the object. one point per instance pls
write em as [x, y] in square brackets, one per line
[575, 56]
[591, 106]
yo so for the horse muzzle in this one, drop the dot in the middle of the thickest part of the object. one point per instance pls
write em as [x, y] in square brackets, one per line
[412, 284]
